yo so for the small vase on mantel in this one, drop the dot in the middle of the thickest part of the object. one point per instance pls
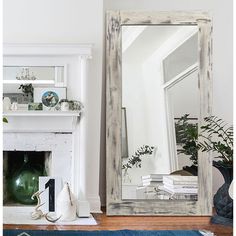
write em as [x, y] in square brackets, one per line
[223, 203]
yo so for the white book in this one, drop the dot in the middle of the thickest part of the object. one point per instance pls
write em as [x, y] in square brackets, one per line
[175, 194]
[153, 176]
[151, 181]
[177, 179]
[151, 184]
[173, 191]
[181, 186]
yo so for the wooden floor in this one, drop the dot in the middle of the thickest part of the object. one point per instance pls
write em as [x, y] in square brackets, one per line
[139, 223]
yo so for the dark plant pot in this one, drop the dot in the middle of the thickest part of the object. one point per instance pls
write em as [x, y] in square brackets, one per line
[223, 203]
[191, 169]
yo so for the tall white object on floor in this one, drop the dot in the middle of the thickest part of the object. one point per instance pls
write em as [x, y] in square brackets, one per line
[83, 209]
[66, 204]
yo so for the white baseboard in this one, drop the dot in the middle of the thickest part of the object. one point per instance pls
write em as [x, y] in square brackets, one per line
[95, 204]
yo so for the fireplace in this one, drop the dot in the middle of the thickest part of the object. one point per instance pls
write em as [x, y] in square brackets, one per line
[65, 138]
[50, 150]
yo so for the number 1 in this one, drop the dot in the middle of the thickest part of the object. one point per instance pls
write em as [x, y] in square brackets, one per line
[51, 194]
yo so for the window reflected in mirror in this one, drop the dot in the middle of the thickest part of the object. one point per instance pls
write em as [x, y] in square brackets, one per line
[161, 99]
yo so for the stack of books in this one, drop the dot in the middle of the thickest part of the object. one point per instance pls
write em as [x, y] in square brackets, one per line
[181, 187]
[152, 180]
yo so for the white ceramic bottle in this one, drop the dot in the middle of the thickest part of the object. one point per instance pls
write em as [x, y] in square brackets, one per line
[66, 204]
[6, 104]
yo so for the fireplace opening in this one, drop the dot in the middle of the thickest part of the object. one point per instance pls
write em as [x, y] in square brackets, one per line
[21, 171]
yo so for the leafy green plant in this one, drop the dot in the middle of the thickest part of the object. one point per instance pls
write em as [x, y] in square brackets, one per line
[217, 137]
[4, 120]
[136, 160]
[186, 137]
[27, 89]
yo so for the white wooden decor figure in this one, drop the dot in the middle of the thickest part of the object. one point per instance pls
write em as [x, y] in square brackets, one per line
[66, 204]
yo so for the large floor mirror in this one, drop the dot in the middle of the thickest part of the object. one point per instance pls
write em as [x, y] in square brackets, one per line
[158, 92]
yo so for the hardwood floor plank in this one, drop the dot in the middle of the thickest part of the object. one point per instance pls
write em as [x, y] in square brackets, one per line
[138, 223]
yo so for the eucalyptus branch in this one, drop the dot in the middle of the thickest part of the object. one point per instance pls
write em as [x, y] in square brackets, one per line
[135, 160]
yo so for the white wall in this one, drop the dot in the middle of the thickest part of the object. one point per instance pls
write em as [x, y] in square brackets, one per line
[79, 21]
[63, 21]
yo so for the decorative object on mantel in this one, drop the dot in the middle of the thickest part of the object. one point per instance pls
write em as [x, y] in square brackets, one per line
[64, 105]
[27, 90]
[14, 106]
[218, 138]
[70, 105]
[50, 97]
[33, 106]
[6, 104]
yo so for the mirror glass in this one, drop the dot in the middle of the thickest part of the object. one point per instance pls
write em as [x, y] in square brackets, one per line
[29, 72]
[39, 76]
[160, 107]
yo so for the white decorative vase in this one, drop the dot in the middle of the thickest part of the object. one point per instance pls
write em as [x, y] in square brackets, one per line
[6, 103]
[66, 204]
[14, 106]
[65, 106]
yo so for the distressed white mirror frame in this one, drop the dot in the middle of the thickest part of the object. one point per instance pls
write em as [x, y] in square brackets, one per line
[115, 204]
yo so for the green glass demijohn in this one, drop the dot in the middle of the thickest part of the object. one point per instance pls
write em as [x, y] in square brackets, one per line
[24, 182]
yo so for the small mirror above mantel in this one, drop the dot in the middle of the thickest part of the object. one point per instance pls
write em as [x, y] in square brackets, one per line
[44, 79]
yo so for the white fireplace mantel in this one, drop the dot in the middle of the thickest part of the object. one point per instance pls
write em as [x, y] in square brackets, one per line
[76, 56]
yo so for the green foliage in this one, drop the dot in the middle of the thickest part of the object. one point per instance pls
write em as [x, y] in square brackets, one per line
[27, 89]
[135, 160]
[217, 137]
[4, 119]
[186, 137]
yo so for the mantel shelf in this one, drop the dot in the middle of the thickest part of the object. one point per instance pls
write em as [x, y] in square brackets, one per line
[42, 113]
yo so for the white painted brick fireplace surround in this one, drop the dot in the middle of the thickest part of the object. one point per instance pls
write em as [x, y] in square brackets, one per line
[65, 136]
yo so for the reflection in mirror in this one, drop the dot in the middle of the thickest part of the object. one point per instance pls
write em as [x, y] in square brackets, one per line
[161, 103]
[39, 76]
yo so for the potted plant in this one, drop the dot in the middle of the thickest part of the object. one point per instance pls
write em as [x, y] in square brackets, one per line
[27, 90]
[218, 139]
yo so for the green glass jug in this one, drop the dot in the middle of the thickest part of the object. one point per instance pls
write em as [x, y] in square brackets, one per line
[24, 182]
